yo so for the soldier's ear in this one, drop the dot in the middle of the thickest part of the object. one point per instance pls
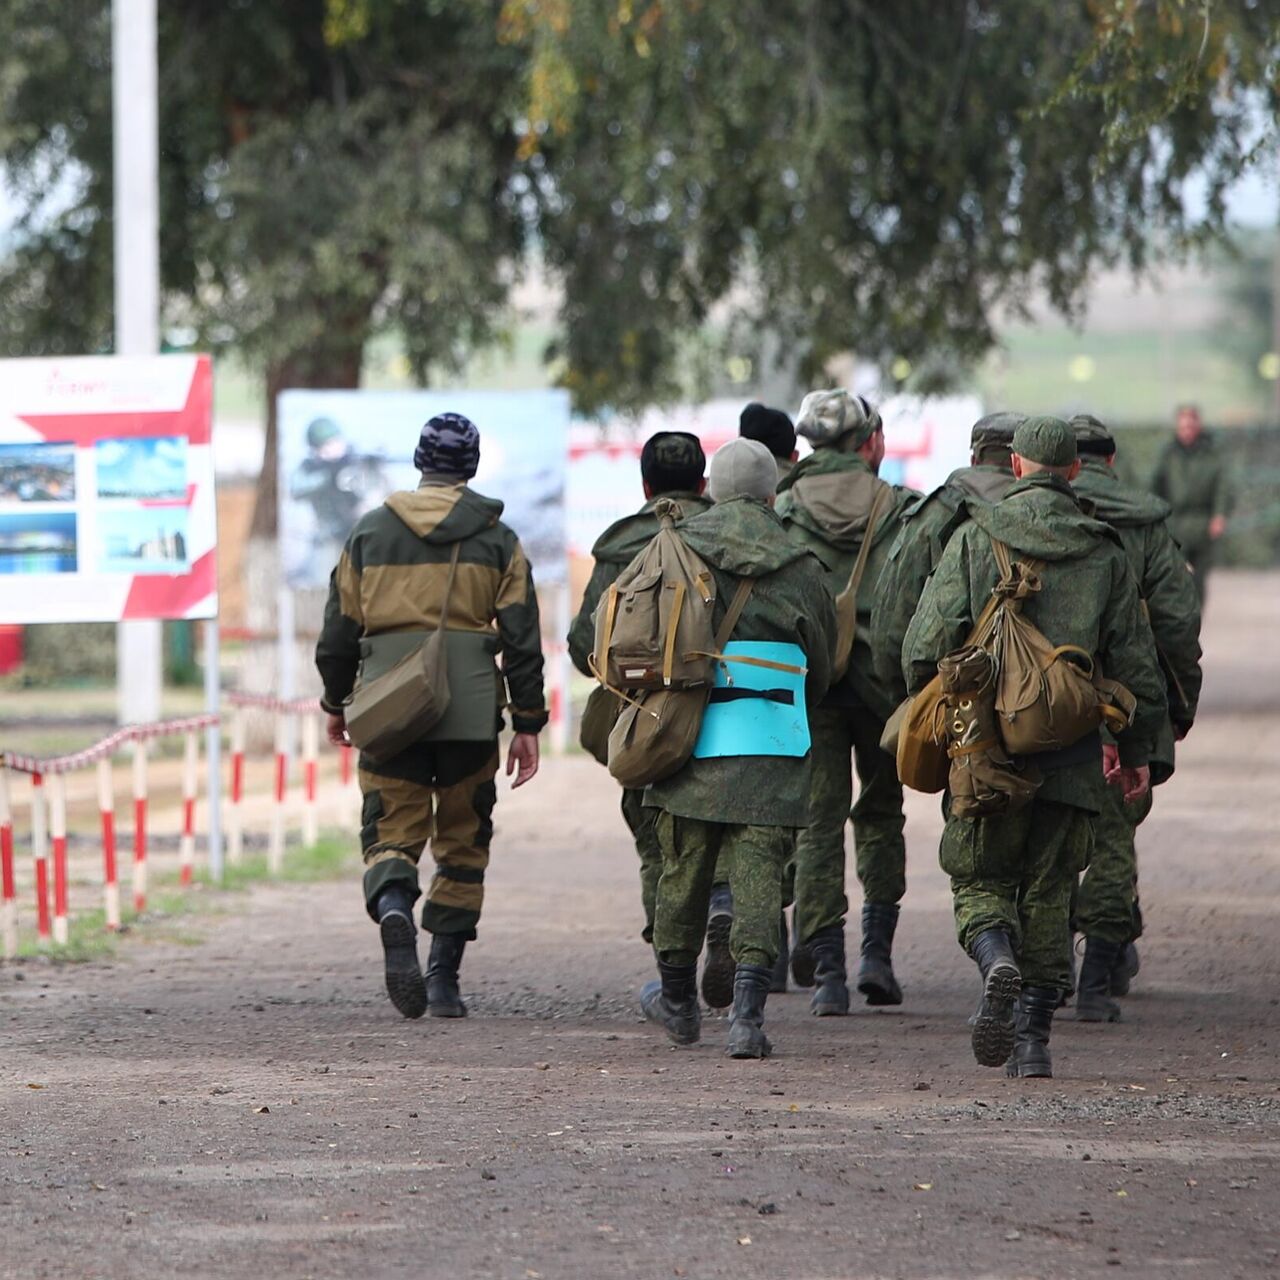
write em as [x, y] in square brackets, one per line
[1073, 471]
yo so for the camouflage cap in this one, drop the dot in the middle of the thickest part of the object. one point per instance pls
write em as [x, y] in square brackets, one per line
[1092, 435]
[450, 445]
[1048, 441]
[995, 429]
[829, 416]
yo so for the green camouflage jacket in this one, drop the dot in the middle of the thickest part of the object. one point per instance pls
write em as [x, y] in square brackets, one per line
[789, 604]
[927, 526]
[388, 588]
[1166, 585]
[1195, 481]
[824, 502]
[615, 548]
[1088, 598]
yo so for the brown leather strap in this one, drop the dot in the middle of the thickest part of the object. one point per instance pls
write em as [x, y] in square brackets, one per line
[734, 612]
[873, 518]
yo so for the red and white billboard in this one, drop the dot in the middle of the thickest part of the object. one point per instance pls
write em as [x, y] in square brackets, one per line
[107, 505]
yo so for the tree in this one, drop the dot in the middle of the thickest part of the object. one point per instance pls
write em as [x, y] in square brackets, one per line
[329, 169]
[881, 178]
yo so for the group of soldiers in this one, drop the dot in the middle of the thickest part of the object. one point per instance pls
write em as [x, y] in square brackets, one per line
[731, 843]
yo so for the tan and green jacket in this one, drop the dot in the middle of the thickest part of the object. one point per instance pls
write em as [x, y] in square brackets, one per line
[387, 591]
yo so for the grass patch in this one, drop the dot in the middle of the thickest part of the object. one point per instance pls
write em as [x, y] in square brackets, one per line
[89, 939]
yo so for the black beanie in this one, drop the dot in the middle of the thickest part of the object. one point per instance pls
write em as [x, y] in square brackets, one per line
[770, 427]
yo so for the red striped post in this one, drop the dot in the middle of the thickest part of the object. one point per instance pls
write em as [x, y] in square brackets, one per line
[235, 815]
[107, 808]
[275, 848]
[58, 830]
[190, 773]
[8, 888]
[310, 774]
[139, 825]
[40, 858]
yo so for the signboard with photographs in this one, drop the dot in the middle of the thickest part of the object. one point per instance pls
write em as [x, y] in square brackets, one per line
[107, 506]
[343, 452]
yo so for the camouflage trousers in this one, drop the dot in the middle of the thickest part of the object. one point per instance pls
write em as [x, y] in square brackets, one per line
[1016, 872]
[442, 792]
[879, 849]
[755, 858]
[642, 822]
[1106, 905]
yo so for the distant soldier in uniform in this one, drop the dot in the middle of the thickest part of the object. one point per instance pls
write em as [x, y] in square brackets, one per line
[745, 806]
[1193, 478]
[1107, 907]
[927, 527]
[338, 483]
[826, 504]
[773, 429]
[1012, 874]
[385, 595]
[672, 466]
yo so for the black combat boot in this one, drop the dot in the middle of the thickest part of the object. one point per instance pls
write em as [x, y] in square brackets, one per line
[717, 968]
[875, 973]
[1127, 966]
[746, 1023]
[992, 1035]
[671, 1000]
[802, 961]
[400, 951]
[1093, 988]
[1030, 1057]
[443, 997]
[831, 999]
[778, 984]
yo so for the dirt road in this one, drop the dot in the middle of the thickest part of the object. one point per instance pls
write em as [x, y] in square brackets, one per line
[250, 1104]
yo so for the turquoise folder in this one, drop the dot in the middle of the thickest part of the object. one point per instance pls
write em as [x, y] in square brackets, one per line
[754, 711]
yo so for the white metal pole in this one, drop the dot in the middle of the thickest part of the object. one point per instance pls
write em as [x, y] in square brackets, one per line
[213, 744]
[136, 227]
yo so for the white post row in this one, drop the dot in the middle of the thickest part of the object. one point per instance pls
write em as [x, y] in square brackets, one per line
[190, 776]
[311, 777]
[235, 813]
[8, 887]
[275, 845]
[139, 825]
[57, 791]
[40, 859]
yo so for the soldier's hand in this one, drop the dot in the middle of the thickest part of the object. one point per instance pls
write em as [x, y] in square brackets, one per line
[522, 758]
[1217, 526]
[1110, 763]
[336, 731]
[1135, 783]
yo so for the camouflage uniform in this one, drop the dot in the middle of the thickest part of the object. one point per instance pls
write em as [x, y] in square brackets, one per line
[1107, 905]
[1194, 480]
[385, 594]
[1015, 872]
[616, 547]
[824, 502]
[745, 808]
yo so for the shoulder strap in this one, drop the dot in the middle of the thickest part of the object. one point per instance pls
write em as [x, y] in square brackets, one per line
[448, 590]
[864, 552]
[734, 612]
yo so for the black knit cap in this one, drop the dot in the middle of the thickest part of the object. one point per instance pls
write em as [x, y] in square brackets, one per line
[672, 461]
[1093, 436]
[449, 445]
[770, 427]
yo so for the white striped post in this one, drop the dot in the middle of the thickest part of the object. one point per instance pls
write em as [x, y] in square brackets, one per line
[8, 888]
[235, 812]
[40, 859]
[139, 825]
[57, 790]
[310, 771]
[107, 810]
[275, 846]
[190, 775]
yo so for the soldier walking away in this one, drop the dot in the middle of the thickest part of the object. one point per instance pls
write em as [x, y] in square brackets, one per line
[1012, 873]
[386, 594]
[1192, 476]
[927, 527]
[672, 466]
[831, 503]
[1106, 909]
[743, 793]
[773, 429]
